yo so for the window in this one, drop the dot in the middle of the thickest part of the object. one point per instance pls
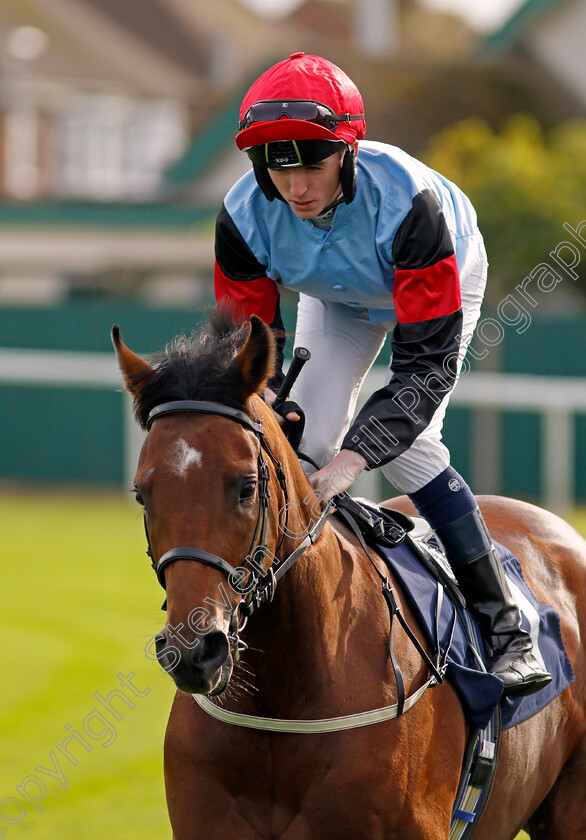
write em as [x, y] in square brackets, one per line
[115, 148]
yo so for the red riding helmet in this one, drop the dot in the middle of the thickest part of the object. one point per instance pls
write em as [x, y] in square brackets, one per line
[304, 97]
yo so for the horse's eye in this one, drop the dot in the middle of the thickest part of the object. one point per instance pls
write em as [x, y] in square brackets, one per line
[247, 490]
[138, 498]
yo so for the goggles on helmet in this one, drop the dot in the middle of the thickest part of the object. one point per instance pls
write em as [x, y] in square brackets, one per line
[285, 154]
[295, 109]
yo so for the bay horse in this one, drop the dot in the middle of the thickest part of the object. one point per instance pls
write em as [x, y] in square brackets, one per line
[218, 480]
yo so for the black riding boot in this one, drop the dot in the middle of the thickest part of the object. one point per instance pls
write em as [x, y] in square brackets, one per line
[479, 572]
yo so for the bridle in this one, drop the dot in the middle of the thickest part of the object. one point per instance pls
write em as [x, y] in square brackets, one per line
[261, 585]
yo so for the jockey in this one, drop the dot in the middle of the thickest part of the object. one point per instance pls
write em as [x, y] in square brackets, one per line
[373, 241]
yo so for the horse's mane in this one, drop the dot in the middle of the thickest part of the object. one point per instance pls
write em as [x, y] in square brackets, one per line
[197, 367]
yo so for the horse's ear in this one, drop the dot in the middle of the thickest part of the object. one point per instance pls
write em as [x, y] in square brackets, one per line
[136, 371]
[256, 360]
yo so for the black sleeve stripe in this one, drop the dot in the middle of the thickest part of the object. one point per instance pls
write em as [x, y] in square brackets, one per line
[233, 255]
[423, 238]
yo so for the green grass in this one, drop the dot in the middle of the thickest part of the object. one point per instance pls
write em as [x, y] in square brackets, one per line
[78, 604]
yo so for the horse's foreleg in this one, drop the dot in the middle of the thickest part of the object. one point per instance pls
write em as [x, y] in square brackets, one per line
[562, 814]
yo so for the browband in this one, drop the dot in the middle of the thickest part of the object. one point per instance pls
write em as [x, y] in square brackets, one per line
[205, 408]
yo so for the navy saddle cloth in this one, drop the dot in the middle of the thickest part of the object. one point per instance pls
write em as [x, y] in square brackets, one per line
[480, 692]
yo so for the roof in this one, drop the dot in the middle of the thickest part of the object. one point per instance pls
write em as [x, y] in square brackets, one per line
[507, 34]
[157, 25]
[206, 147]
[106, 46]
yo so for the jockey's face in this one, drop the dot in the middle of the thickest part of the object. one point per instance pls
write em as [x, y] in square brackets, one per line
[310, 189]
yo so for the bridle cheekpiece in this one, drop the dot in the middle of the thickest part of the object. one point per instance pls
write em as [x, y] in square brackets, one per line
[260, 587]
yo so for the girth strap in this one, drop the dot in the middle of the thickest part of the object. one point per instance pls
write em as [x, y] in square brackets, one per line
[393, 611]
[437, 669]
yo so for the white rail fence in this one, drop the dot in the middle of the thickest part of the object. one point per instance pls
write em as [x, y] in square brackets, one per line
[557, 400]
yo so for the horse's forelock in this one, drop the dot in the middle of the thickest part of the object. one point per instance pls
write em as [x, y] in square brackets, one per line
[199, 366]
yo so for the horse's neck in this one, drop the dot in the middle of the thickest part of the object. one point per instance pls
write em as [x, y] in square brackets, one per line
[300, 642]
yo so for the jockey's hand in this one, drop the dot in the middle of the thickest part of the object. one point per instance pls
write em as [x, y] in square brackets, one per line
[339, 474]
[270, 397]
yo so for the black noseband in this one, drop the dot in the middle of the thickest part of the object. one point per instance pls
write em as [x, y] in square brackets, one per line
[188, 553]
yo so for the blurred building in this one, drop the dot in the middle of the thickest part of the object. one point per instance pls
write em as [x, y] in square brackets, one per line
[99, 96]
[117, 119]
[116, 148]
[98, 99]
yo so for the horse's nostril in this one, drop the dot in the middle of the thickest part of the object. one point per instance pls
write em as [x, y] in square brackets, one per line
[167, 655]
[195, 665]
[217, 645]
[212, 652]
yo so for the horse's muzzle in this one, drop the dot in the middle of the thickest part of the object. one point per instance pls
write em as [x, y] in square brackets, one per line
[201, 668]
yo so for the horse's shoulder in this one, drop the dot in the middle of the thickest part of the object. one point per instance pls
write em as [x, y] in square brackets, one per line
[347, 542]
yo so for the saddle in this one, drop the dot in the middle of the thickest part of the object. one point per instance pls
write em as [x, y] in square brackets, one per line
[382, 527]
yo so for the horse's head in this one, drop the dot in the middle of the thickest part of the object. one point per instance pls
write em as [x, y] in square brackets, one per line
[212, 452]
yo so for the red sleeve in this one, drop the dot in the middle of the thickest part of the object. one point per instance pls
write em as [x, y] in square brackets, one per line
[252, 297]
[426, 284]
[423, 293]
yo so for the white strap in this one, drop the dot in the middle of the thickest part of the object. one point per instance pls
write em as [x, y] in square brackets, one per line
[308, 727]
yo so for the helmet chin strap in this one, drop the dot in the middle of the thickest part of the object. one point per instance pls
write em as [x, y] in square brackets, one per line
[325, 213]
